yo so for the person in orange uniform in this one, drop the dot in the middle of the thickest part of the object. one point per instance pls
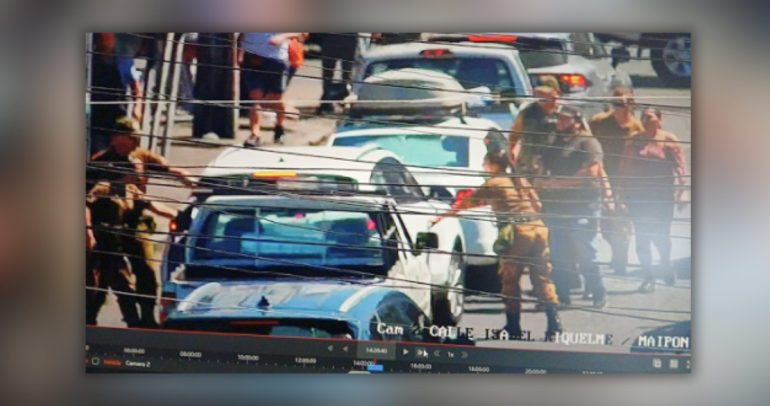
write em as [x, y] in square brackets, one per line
[657, 157]
[612, 128]
[516, 205]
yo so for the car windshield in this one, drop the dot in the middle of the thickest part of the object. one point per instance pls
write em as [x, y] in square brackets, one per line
[540, 53]
[275, 242]
[417, 149]
[470, 72]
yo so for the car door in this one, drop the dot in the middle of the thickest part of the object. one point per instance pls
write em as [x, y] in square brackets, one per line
[415, 208]
[409, 273]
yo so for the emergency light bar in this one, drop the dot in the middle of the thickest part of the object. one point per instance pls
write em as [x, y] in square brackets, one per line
[492, 38]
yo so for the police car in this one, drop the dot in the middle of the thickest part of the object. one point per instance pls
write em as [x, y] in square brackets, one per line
[315, 175]
[365, 310]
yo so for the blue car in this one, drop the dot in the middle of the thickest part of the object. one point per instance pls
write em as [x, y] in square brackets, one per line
[302, 309]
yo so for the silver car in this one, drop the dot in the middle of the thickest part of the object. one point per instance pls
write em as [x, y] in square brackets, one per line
[579, 61]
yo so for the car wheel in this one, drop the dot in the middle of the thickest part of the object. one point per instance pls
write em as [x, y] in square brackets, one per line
[448, 305]
[672, 61]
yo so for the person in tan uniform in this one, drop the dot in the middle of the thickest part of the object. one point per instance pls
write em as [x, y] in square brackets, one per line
[127, 164]
[523, 242]
[121, 230]
[613, 128]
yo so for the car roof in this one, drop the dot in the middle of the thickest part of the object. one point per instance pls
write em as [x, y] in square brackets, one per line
[315, 202]
[463, 49]
[319, 160]
[475, 128]
[286, 299]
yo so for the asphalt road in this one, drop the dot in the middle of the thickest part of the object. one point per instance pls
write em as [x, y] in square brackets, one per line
[629, 313]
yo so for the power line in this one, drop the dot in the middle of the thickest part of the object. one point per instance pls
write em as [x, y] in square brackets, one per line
[466, 92]
[519, 259]
[499, 215]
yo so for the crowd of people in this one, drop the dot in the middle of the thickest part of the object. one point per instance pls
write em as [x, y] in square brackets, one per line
[564, 181]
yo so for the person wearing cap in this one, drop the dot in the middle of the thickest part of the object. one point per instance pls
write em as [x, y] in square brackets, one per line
[124, 158]
[656, 156]
[523, 241]
[532, 126]
[573, 186]
[612, 129]
[126, 167]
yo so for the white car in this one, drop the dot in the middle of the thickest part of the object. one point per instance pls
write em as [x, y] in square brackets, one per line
[347, 172]
[448, 157]
[497, 68]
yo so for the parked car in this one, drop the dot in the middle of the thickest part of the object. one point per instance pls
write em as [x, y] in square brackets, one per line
[669, 53]
[578, 60]
[495, 70]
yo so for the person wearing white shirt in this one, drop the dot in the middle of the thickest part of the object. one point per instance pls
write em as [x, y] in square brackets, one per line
[264, 58]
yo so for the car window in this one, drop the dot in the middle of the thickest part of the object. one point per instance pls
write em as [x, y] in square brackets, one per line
[587, 45]
[391, 176]
[541, 53]
[417, 149]
[297, 240]
[470, 72]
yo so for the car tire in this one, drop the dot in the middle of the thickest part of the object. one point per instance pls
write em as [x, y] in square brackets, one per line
[448, 305]
[666, 60]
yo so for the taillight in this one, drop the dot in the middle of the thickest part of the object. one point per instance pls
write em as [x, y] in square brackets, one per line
[574, 83]
[167, 303]
[173, 226]
[462, 195]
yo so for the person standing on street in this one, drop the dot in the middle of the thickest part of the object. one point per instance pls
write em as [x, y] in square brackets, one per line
[121, 233]
[532, 126]
[139, 249]
[655, 157]
[573, 185]
[613, 128]
[124, 157]
[105, 264]
[523, 240]
[336, 47]
[264, 57]
[112, 76]
[296, 55]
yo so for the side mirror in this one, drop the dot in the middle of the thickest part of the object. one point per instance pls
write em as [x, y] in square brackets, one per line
[620, 55]
[427, 241]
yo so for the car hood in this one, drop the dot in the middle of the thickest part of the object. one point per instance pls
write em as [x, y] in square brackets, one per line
[259, 299]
